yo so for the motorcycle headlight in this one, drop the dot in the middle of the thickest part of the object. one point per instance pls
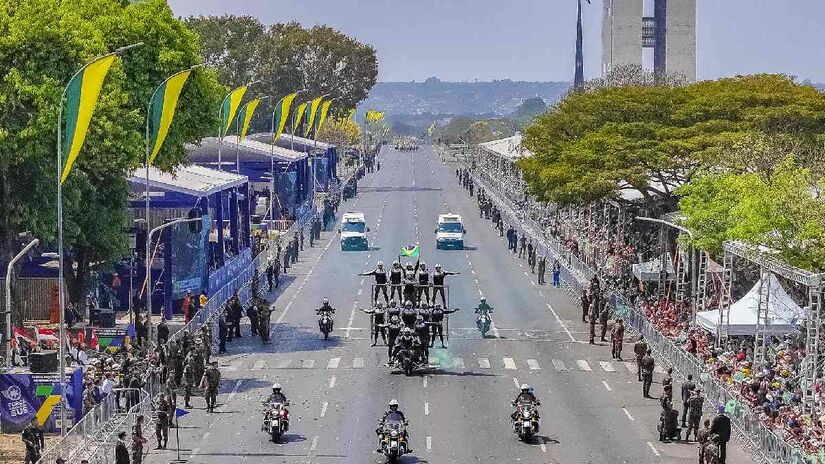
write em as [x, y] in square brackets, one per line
[526, 414]
[394, 434]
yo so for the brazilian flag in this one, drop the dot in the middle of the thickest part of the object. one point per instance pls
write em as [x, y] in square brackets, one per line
[299, 114]
[82, 94]
[230, 106]
[323, 116]
[281, 115]
[162, 110]
[410, 251]
[311, 112]
[245, 116]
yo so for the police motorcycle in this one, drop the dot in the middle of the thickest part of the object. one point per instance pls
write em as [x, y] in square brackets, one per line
[483, 321]
[325, 322]
[526, 416]
[276, 415]
[408, 355]
[392, 435]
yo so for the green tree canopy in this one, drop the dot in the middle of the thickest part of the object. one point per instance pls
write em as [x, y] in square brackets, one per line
[42, 44]
[527, 111]
[650, 139]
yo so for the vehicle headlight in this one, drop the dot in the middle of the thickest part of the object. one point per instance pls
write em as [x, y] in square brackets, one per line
[393, 434]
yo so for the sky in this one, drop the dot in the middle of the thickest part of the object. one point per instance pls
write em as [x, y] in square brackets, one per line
[534, 40]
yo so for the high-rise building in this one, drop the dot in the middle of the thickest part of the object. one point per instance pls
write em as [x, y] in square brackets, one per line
[670, 32]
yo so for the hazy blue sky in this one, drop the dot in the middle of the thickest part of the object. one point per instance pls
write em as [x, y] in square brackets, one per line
[534, 39]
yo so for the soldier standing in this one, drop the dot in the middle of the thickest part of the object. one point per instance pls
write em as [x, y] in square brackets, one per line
[264, 313]
[252, 314]
[542, 269]
[639, 349]
[162, 424]
[33, 439]
[223, 331]
[694, 408]
[585, 300]
[137, 441]
[188, 383]
[648, 364]
[211, 379]
[604, 315]
[594, 314]
[617, 338]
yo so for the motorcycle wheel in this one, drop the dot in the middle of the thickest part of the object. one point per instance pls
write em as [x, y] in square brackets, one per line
[326, 335]
[408, 368]
[275, 436]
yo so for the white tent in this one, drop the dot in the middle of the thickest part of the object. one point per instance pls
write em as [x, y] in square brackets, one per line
[649, 270]
[783, 313]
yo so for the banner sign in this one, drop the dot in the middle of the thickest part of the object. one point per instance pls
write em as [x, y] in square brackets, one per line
[26, 396]
[190, 258]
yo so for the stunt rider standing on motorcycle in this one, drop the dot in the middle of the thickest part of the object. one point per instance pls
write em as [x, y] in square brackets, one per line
[380, 281]
[436, 316]
[408, 314]
[423, 285]
[396, 275]
[378, 313]
[393, 410]
[422, 329]
[438, 282]
[410, 281]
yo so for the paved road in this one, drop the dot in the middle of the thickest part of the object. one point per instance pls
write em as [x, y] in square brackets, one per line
[592, 409]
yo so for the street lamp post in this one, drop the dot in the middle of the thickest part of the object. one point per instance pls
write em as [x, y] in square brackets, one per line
[14, 260]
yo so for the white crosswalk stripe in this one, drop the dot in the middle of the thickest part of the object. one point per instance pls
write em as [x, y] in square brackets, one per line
[583, 365]
[259, 364]
[606, 366]
[509, 363]
[458, 363]
[308, 364]
[283, 363]
[333, 363]
[630, 366]
[358, 363]
[533, 364]
[484, 363]
[559, 365]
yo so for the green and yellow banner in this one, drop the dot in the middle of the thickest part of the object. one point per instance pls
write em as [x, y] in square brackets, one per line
[323, 116]
[373, 116]
[311, 112]
[82, 94]
[245, 116]
[230, 107]
[162, 110]
[299, 114]
[281, 115]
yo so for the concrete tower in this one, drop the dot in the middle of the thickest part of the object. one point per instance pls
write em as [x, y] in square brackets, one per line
[671, 32]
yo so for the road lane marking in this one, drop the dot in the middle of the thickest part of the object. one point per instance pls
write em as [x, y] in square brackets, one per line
[314, 444]
[558, 319]
[604, 382]
[606, 366]
[627, 413]
[515, 381]
[234, 391]
[559, 365]
[509, 363]
[306, 278]
[425, 381]
[429, 443]
[332, 382]
[542, 446]
[583, 365]
[333, 363]
[358, 363]
[653, 448]
[458, 363]
[533, 364]
[324, 409]
[351, 318]
[630, 366]
[484, 363]
[259, 364]
[308, 364]
[426, 409]
[283, 364]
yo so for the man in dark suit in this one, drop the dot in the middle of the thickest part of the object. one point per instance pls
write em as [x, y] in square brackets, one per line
[687, 392]
[121, 451]
[721, 427]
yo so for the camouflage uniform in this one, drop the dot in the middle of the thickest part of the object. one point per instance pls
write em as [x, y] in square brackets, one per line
[212, 378]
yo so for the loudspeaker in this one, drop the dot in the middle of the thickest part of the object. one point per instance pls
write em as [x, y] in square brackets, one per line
[43, 362]
[106, 319]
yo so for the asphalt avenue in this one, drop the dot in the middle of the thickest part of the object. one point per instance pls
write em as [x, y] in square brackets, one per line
[592, 408]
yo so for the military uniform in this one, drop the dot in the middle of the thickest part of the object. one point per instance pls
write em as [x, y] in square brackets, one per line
[647, 364]
[639, 349]
[212, 377]
[264, 314]
[188, 383]
[162, 423]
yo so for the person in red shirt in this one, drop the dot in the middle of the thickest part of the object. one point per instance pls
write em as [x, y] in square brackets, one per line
[186, 306]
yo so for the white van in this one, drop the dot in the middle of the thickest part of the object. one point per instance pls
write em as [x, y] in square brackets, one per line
[450, 232]
[353, 232]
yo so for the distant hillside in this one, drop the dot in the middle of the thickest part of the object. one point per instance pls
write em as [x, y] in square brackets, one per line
[466, 98]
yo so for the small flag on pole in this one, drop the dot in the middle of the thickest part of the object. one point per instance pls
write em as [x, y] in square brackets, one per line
[299, 114]
[162, 110]
[311, 112]
[281, 115]
[410, 251]
[230, 107]
[180, 412]
[245, 117]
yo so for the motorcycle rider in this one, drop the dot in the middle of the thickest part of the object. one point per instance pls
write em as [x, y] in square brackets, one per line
[423, 284]
[436, 316]
[408, 314]
[325, 310]
[422, 330]
[405, 341]
[393, 309]
[396, 276]
[380, 281]
[378, 317]
[393, 327]
[525, 397]
[277, 397]
[393, 405]
[438, 282]
[483, 309]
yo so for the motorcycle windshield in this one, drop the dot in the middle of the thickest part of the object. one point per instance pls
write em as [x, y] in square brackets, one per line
[394, 422]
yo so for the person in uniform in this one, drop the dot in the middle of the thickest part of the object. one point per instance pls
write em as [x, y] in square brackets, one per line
[423, 285]
[393, 325]
[162, 422]
[396, 275]
[604, 316]
[542, 265]
[694, 407]
[439, 275]
[252, 314]
[211, 380]
[720, 426]
[639, 349]
[667, 382]
[378, 319]
[33, 439]
[594, 314]
[647, 364]
[687, 392]
[264, 314]
[223, 332]
[188, 383]
[436, 316]
[617, 338]
[137, 441]
[585, 301]
[380, 275]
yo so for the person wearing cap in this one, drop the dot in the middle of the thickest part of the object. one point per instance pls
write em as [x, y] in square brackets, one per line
[617, 338]
[694, 406]
[720, 426]
[186, 306]
[137, 441]
[380, 275]
[33, 439]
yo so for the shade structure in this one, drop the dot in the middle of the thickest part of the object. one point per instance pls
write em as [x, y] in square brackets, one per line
[649, 270]
[192, 180]
[783, 313]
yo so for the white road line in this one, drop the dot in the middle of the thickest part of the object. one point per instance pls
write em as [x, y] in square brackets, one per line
[324, 409]
[333, 363]
[351, 318]
[533, 364]
[606, 366]
[492, 324]
[425, 381]
[653, 448]
[358, 363]
[604, 382]
[308, 364]
[525, 273]
[429, 443]
[559, 365]
[360, 290]
[583, 365]
[558, 319]
[283, 364]
[259, 364]
[542, 446]
[516, 382]
[627, 413]
[234, 391]
[630, 366]
[509, 363]
[472, 271]
[458, 363]
[314, 444]
[332, 382]
[484, 363]
[306, 278]
[426, 409]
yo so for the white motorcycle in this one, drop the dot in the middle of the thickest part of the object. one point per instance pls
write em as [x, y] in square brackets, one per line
[276, 420]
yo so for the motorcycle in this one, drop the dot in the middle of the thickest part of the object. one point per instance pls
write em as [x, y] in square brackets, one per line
[393, 437]
[409, 360]
[484, 322]
[325, 324]
[525, 422]
[276, 420]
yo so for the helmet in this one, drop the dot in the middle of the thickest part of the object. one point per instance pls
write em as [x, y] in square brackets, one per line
[408, 304]
[380, 263]
[437, 306]
[325, 301]
[276, 386]
[419, 317]
[393, 404]
[393, 303]
[525, 387]
[483, 299]
[395, 263]
[379, 304]
[437, 266]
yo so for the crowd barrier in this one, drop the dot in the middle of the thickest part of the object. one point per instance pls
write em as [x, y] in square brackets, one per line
[763, 443]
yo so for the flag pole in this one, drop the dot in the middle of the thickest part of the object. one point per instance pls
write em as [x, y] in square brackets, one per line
[61, 291]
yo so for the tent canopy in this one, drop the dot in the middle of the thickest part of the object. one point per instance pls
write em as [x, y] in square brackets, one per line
[509, 147]
[649, 270]
[247, 150]
[192, 180]
[783, 313]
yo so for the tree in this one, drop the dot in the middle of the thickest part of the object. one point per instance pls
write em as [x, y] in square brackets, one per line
[230, 44]
[42, 43]
[650, 139]
[528, 110]
[341, 132]
[462, 129]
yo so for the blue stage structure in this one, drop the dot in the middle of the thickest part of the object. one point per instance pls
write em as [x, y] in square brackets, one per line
[324, 156]
[223, 198]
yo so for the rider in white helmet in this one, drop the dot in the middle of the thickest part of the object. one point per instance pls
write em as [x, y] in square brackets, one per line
[277, 396]
[393, 405]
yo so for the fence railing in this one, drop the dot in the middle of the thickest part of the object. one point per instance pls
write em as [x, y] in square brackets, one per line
[759, 438]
